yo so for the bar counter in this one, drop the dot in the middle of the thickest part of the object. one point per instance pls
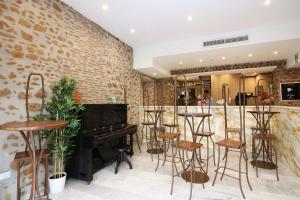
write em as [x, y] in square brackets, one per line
[285, 126]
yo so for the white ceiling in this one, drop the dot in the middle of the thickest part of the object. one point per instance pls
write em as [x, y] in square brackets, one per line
[232, 55]
[157, 21]
[163, 36]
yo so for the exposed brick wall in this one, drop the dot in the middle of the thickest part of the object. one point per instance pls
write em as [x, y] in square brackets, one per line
[148, 93]
[164, 91]
[285, 75]
[229, 67]
[50, 38]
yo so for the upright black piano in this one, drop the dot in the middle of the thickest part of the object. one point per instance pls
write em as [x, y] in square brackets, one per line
[104, 129]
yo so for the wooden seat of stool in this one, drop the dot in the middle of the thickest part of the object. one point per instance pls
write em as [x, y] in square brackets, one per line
[187, 145]
[233, 130]
[170, 125]
[229, 143]
[168, 135]
[147, 123]
[204, 133]
[160, 129]
[198, 114]
[258, 128]
[24, 155]
[261, 136]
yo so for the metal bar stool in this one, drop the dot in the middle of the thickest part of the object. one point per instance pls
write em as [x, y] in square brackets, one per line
[169, 137]
[188, 152]
[262, 132]
[22, 157]
[234, 145]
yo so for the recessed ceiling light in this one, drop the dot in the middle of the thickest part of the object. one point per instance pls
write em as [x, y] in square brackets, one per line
[250, 55]
[105, 7]
[223, 58]
[132, 30]
[275, 52]
[154, 74]
[189, 18]
[201, 60]
[180, 62]
[267, 2]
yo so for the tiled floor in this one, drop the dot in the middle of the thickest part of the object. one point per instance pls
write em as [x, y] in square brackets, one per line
[143, 183]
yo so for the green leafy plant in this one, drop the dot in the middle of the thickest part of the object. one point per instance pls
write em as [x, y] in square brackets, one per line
[62, 107]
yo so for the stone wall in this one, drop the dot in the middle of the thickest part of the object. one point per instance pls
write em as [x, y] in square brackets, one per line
[285, 75]
[50, 38]
[164, 91]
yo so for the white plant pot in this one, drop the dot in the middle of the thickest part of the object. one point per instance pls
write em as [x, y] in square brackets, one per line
[57, 185]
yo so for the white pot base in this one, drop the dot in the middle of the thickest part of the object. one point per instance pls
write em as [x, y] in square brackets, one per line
[57, 185]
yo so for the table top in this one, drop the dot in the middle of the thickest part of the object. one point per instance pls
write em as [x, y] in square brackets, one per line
[33, 125]
[263, 112]
[195, 114]
[155, 110]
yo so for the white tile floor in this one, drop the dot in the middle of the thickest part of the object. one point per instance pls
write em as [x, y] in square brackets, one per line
[143, 183]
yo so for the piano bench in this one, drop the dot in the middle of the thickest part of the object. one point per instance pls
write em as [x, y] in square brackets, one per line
[122, 156]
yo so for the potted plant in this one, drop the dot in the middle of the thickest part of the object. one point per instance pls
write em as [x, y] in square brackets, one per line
[62, 107]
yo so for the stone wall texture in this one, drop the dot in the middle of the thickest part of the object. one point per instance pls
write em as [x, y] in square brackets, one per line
[285, 75]
[49, 37]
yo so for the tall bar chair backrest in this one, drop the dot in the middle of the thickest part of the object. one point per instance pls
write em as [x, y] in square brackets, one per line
[27, 94]
[27, 100]
[186, 98]
[225, 97]
[146, 102]
[242, 108]
[175, 105]
[261, 96]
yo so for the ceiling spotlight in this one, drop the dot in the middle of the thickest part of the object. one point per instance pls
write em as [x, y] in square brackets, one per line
[275, 52]
[105, 7]
[201, 60]
[132, 30]
[223, 58]
[189, 18]
[154, 74]
[250, 55]
[267, 2]
[180, 62]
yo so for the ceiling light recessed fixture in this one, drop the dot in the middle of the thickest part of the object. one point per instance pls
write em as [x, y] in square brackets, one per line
[104, 7]
[180, 62]
[132, 30]
[201, 60]
[275, 52]
[223, 57]
[154, 74]
[189, 18]
[267, 2]
[250, 55]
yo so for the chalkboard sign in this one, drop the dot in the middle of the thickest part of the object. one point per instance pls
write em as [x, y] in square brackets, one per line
[290, 91]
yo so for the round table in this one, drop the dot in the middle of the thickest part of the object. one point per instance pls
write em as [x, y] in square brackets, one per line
[34, 127]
